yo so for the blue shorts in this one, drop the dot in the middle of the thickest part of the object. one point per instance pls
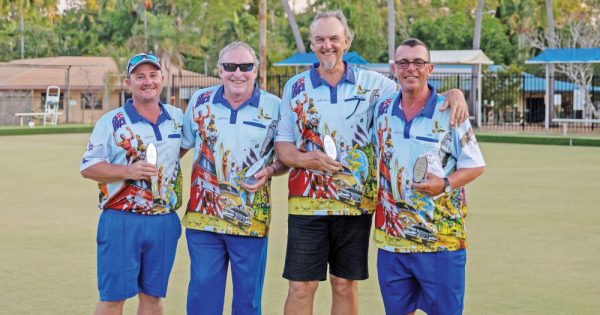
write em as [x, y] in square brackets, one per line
[135, 253]
[432, 282]
[210, 255]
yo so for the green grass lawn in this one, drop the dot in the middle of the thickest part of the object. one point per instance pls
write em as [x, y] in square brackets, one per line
[534, 234]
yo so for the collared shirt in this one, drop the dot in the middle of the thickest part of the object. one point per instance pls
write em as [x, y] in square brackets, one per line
[227, 142]
[121, 137]
[312, 109]
[407, 220]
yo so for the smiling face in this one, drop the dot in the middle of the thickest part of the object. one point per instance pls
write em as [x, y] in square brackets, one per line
[329, 41]
[238, 84]
[145, 83]
[412, 79]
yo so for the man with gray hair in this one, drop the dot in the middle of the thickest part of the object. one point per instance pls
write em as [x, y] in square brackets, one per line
[324, 136]
[231, 128]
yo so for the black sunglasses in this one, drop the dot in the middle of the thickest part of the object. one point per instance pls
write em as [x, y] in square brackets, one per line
[244, 67]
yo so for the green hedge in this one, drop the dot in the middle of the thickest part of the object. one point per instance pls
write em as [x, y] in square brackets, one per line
[550, 140]
[23, 131]
[499, 138]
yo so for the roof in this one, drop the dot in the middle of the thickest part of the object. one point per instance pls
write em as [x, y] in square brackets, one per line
[460, 57]
[39, 73]
[447, 57]
[566, 55]
[307, 59]
[86, 73]
[438, 68]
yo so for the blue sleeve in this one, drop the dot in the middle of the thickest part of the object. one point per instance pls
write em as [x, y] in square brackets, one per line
[285, 126]
[189, 125]
[99, 147]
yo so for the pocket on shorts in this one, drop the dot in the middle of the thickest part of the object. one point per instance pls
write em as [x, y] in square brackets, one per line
[174, 227]
[101, 234]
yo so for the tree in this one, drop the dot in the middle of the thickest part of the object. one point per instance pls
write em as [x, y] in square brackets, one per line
[293, 26]
[578, 30]
[476, 68]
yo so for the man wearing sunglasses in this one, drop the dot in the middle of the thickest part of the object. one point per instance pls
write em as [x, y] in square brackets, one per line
[331, 197]
[231, 128]
[138, 229]
[419, 221]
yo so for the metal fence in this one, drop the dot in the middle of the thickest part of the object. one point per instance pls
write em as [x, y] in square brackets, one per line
[14, 101]
[509, 102]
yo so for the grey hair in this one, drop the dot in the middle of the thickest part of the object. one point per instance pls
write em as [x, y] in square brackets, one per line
[338, 14]
[234, 45]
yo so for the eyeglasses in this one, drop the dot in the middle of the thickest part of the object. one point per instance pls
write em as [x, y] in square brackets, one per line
[404, 64]
[244, 67]
[135, 60]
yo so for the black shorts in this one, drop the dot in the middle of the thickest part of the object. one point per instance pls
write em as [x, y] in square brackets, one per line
[314, 241]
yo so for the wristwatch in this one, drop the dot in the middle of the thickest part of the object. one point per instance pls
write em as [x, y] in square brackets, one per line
[447, 187]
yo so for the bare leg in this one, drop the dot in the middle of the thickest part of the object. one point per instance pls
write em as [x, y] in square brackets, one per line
[300, 297]
[344, 296]
[149, 305]
[109, 308]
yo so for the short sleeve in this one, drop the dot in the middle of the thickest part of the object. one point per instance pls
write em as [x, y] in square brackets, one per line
[285, 126]
[99, 146]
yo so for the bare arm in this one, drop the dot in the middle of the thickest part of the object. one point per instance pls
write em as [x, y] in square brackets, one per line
[435, 185]
[105, 172]
[455, 99]
[313, 160]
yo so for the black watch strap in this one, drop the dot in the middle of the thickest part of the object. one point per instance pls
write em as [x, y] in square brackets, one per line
[447, 187]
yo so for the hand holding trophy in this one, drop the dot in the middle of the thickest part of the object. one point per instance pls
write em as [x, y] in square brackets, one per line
[152, 157]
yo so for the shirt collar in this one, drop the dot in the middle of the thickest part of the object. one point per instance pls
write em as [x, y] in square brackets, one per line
[253, 101]
[135, 117]
[427, 111]
[316, 79]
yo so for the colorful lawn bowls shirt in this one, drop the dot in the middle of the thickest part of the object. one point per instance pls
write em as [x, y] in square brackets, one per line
[407, 220]
[229, 145]
[121, 137]
[311, 109]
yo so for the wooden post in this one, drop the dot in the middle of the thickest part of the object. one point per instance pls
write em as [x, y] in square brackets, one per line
[262, 38]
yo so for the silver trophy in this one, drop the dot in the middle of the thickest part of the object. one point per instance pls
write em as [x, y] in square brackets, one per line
[329, 146]
[420, 170]
[266, 153]
[151, 154]
[151, 157]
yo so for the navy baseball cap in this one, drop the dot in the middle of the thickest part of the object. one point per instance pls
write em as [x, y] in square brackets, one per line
[141, 59]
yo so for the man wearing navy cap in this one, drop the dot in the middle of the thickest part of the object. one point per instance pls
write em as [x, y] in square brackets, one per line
[138, 228]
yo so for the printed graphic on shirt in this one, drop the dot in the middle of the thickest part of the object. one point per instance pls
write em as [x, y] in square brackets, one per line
[352, 190]
[224, 150]
[118, 141]
[407, 220]
[142, 196]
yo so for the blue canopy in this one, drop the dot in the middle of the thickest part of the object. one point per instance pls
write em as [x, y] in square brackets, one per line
[307, 59]
[567, 55]
[530, 83]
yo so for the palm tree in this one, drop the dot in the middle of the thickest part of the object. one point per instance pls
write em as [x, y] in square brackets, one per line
[294, 26]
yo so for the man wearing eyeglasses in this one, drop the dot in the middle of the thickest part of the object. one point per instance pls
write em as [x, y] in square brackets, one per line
[420, 219]
[138, 229]
[231, 128]
[331, 198]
